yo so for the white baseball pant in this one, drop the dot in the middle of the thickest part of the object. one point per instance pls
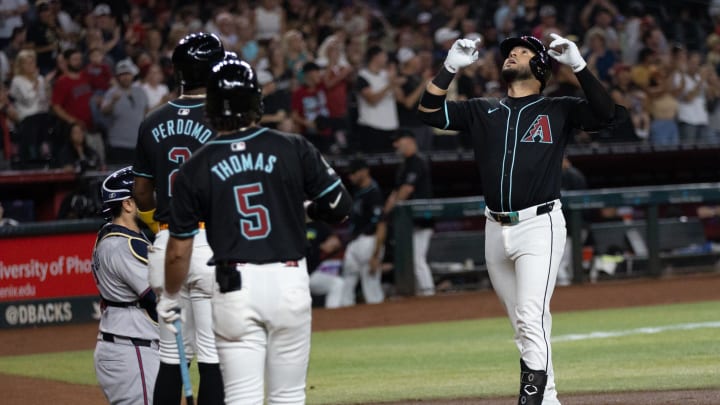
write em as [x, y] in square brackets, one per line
[195, 296]
[263, 334]
[326, 280]
[356, 266]
[522, 261]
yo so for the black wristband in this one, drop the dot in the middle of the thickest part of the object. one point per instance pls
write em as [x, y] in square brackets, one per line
[443, 78]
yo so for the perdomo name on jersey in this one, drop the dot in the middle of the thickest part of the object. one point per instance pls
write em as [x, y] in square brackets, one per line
[243, 163]
[182, 127]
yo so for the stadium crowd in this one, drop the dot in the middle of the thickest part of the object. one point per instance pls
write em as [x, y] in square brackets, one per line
[78, 76]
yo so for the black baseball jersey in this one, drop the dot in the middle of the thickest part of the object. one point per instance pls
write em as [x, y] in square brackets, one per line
[167, 138]
[415, 171]
[518, 143]
[366, 210]
[249, 188]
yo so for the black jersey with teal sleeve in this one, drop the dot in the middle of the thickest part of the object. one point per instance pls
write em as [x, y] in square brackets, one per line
[167, 138]
[249, 188]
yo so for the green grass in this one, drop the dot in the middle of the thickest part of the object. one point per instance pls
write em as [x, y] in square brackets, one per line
[478, 357]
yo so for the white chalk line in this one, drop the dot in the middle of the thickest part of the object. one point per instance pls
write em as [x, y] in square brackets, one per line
[639, 331]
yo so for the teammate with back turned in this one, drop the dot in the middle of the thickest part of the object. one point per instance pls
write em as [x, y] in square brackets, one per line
[168, 137]
[126, 355]
[519, 142]
[250, 185]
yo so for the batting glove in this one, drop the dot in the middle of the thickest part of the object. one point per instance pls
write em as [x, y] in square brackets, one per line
[168, 308]
[463, 53]
[570, 54]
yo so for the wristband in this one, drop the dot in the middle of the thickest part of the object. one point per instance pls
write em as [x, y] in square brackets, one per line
[443, 78]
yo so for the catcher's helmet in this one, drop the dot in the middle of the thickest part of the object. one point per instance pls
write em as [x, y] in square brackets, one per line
[117, 187]
[539, 64]
[233, 91]
[193, 58]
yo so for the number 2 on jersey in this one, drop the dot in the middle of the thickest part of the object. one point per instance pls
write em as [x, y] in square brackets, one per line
[177, 155]
[255, 223]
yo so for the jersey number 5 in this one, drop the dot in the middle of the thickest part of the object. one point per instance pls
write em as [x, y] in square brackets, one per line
[177, 155]
[255, 221]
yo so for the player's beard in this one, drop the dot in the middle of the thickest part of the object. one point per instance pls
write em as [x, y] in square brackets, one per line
[516, 73]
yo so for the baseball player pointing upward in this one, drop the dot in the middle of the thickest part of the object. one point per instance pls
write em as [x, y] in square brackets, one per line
[249, 185]
[518, 142]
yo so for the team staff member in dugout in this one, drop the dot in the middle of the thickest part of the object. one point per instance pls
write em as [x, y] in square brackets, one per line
[518, 143]
[250, 186]
[167, 138]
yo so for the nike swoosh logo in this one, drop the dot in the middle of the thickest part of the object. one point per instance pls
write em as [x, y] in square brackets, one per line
[492, 110]
[336, 202]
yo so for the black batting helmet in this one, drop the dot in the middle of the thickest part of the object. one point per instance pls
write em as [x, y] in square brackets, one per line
[193, 58]
[233, 92]
[539, 64]
[116, 187]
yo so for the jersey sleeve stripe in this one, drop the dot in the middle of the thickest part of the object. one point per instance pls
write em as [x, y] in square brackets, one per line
[447, 118]
[139, 174]
[329, 189]
[184, 235]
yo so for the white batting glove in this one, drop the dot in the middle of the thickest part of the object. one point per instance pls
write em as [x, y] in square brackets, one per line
[570, 54]
[168, 308]
[464, 52]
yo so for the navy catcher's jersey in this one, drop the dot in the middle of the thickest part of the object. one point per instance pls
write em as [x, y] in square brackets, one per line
[167, 138]
[249, 188]
[519, 143]
[367, 210]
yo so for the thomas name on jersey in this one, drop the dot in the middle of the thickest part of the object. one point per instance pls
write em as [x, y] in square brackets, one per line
[181, 126]
[242, 163]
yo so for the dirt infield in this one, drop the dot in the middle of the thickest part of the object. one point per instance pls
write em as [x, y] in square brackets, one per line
[457, 306]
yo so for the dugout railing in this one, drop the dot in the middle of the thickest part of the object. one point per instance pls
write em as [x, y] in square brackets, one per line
[574, 203]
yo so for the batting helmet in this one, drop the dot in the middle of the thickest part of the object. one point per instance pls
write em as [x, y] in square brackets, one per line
[539, 63]
[233, 92]
[193, 58]
[116, 187]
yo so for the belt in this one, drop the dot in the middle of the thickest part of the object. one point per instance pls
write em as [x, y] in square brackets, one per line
[112, 338]
[165, 225]
[513, 217]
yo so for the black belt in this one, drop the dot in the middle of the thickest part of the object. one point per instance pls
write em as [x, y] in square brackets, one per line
[120, 304]
[110, 337]
[513, 217]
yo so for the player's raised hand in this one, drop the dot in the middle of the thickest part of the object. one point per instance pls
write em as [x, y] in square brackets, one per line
[168, 308]
[566, 52]
[463, 52]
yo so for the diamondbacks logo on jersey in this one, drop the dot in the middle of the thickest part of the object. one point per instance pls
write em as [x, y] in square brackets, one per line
[539, 131]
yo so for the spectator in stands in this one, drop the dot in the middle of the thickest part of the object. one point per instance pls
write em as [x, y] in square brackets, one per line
[548, 21]
[600, 14]
[529, 19]
[99, 75]
[413, 181]
[295, 52]
[663, 107]
[71, 98]
[269, 20]
[505, 16]
[377, 112]
[126, 105]
[247, 46]
[599, 57]
[413, 86]
[11, 14]
[17, 43]
[630, 40]
[309, 108]
[30, 92]
[640, 73]
[625, 93]
[337, 76]
[154, 86]
[8, 117]
[76, 155]
[44, 37]
[692, 82]
[364, 253]
[323, 262]
[110, 30]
